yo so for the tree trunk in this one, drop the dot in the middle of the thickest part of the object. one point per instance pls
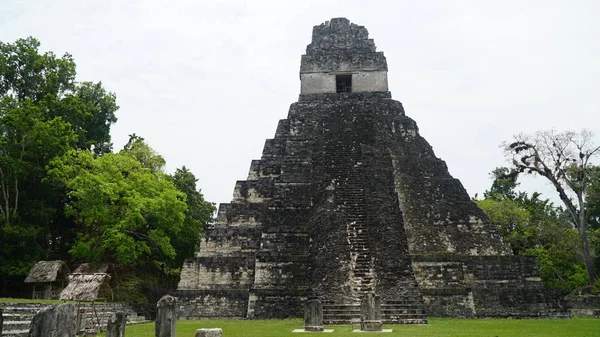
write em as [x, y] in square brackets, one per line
[581, 227]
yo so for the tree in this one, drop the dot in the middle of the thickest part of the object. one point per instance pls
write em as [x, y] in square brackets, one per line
[564, 159]
[125, 211]
[593, 212]
[27, 142]
[49, 82]
[90, 110]
[26, 74]
[44, 113]
[198, 215]
[503, 185]
[137, 148]
[535, 227]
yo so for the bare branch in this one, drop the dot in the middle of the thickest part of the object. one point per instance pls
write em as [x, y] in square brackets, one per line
[564, 158]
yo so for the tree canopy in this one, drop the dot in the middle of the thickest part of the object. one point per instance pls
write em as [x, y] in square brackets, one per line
[65, 195]
[124, 211]
[564, 159]
[534, 226]
[44, 113]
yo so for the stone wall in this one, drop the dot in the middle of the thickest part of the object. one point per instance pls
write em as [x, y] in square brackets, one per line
[194, 304]
[362, 81]
[341, 47]
[483, 286]
[439, 216]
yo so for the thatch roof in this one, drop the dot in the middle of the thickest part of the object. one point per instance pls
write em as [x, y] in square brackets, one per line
[47, 271]
[87, 287]
[91, 268]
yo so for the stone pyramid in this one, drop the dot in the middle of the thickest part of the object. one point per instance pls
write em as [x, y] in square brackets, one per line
[348, 198]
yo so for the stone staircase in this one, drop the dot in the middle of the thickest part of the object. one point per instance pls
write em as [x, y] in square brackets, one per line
[17, 316]
[357, 230]
[407, 309]
[349, 196]
[393, 312]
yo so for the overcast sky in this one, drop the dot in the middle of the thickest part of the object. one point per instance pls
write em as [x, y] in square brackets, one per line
[205, 82]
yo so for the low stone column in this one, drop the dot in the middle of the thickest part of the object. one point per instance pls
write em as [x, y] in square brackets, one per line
[116, 325]
[313, 315]
[370, 313]
[166, 317]
[55, 321]
[212, 332]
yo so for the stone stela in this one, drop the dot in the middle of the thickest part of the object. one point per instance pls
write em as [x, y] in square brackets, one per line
[166, 317]
[55, 321]
[116, 325]
[370, 313]
[313, 315]
[349, 199]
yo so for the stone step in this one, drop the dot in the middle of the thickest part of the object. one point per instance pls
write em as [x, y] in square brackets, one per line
[21, 310]
[341, 311]
[342, 320]
[17, 317]
[401, 303]
[405, 311]
[406, 321]
[366, 265]
[15, 333]
[411, 306]
[15, 325]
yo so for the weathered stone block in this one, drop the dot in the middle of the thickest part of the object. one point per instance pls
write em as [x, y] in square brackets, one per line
[55, 321]
[212, 332]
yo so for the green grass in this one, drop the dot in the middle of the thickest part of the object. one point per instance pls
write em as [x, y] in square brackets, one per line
[437, 327]
[26, 300]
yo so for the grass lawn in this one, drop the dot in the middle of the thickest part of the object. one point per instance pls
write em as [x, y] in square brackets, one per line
[28, 300]
[437, 327]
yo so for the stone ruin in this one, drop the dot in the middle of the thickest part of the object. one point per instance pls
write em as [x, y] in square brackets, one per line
[349, 199]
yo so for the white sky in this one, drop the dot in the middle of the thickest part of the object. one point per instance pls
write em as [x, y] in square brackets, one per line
[205, 82]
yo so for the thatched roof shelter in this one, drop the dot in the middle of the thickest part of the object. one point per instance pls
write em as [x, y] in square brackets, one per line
[47, 271]
[87, 287]
[92, 268]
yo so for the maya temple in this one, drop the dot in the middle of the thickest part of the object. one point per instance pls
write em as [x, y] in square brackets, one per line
[348, 198]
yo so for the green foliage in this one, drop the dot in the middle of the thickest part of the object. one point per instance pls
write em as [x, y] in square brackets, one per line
[63, 193]
[512, 221]
[24, 73]
[90, 109]
[503, 186]
[535, 227]
[125, 211]
[199, 213]
[144, 154]
[44, 113]
[559, 269]
[129, 290]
